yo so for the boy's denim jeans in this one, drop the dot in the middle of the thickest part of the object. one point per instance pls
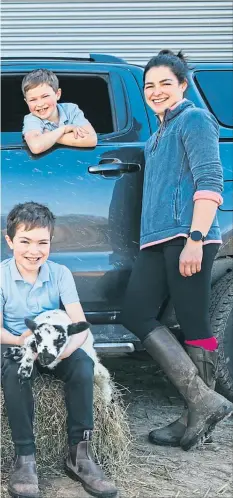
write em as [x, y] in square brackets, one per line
[77, 372]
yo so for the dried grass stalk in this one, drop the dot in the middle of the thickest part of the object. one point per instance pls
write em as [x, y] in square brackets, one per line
[111, 440]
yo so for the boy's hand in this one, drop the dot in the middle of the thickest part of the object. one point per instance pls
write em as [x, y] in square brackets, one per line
[78, 131]
[22, 337]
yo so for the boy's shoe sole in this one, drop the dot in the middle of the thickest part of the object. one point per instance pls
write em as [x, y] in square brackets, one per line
[224, 411]
[97, 494]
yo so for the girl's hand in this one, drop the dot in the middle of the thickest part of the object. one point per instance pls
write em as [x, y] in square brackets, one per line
[191, 258]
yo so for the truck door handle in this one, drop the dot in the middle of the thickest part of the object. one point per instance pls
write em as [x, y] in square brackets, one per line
[115, 167]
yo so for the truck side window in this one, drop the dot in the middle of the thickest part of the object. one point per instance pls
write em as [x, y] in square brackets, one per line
[216, 90]
[91, 92]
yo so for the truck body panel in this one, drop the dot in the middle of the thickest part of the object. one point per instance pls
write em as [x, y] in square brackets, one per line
[96, 193]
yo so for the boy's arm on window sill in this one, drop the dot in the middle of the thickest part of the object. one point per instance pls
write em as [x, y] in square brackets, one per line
[40, 142]
[89, 140]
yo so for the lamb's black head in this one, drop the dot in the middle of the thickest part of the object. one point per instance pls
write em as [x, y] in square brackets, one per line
[52, 339]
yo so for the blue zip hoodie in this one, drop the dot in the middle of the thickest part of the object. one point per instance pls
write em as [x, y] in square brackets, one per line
[182, 157]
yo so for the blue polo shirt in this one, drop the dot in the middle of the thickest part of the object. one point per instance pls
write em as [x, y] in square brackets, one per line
[20, 299]
[68, 114]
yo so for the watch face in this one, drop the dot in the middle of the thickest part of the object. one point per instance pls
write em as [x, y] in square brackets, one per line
[196, 235]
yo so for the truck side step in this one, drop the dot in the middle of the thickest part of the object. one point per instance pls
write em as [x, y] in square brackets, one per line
[114, 347]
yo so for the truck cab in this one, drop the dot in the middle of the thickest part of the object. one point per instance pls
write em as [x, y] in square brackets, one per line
[95, 193]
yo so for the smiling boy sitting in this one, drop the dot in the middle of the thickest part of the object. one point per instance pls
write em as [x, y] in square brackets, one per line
[49, 122]
[31, 284]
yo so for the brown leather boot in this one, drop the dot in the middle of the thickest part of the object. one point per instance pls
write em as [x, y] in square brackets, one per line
[206, 363]
[23, 481]
[81, 467]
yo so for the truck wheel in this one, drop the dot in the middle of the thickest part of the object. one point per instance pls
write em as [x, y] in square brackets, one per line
[221, 314]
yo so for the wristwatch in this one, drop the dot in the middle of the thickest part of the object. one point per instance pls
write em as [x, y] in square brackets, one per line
[196, 236]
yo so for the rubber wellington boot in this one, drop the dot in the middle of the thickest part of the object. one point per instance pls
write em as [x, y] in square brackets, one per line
[205, 407]
[206, 363]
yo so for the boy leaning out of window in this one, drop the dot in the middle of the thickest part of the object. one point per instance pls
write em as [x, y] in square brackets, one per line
[49, 122]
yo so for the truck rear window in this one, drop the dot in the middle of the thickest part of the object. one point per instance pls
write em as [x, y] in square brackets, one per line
[216, 90]
[90, 92]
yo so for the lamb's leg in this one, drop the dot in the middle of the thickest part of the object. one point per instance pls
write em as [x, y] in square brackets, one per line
[101, 375]
[27, 361]
[103, 380]
[25, 369]
[14, 353]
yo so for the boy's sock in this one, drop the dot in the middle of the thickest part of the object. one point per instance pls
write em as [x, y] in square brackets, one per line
[210, 344]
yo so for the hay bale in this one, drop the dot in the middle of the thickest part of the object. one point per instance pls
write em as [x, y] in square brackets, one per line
[111, 438]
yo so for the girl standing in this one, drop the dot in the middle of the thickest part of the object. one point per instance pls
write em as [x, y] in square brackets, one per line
[179, 240]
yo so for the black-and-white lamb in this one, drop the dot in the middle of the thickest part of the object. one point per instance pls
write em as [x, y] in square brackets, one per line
[51, 332]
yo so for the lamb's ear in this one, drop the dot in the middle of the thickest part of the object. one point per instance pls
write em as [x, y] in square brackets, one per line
[30, 324]
[76, 328]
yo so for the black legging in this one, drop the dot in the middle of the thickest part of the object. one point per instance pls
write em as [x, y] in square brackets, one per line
[154, 277]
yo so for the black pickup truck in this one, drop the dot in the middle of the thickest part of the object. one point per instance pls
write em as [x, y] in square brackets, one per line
[96, 193]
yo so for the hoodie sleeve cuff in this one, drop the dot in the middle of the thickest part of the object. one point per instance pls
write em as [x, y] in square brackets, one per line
[208, 195]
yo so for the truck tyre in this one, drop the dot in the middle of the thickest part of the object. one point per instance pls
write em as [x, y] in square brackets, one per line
[221, 314]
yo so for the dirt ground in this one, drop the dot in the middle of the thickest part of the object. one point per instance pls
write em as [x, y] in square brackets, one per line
[158, 472]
